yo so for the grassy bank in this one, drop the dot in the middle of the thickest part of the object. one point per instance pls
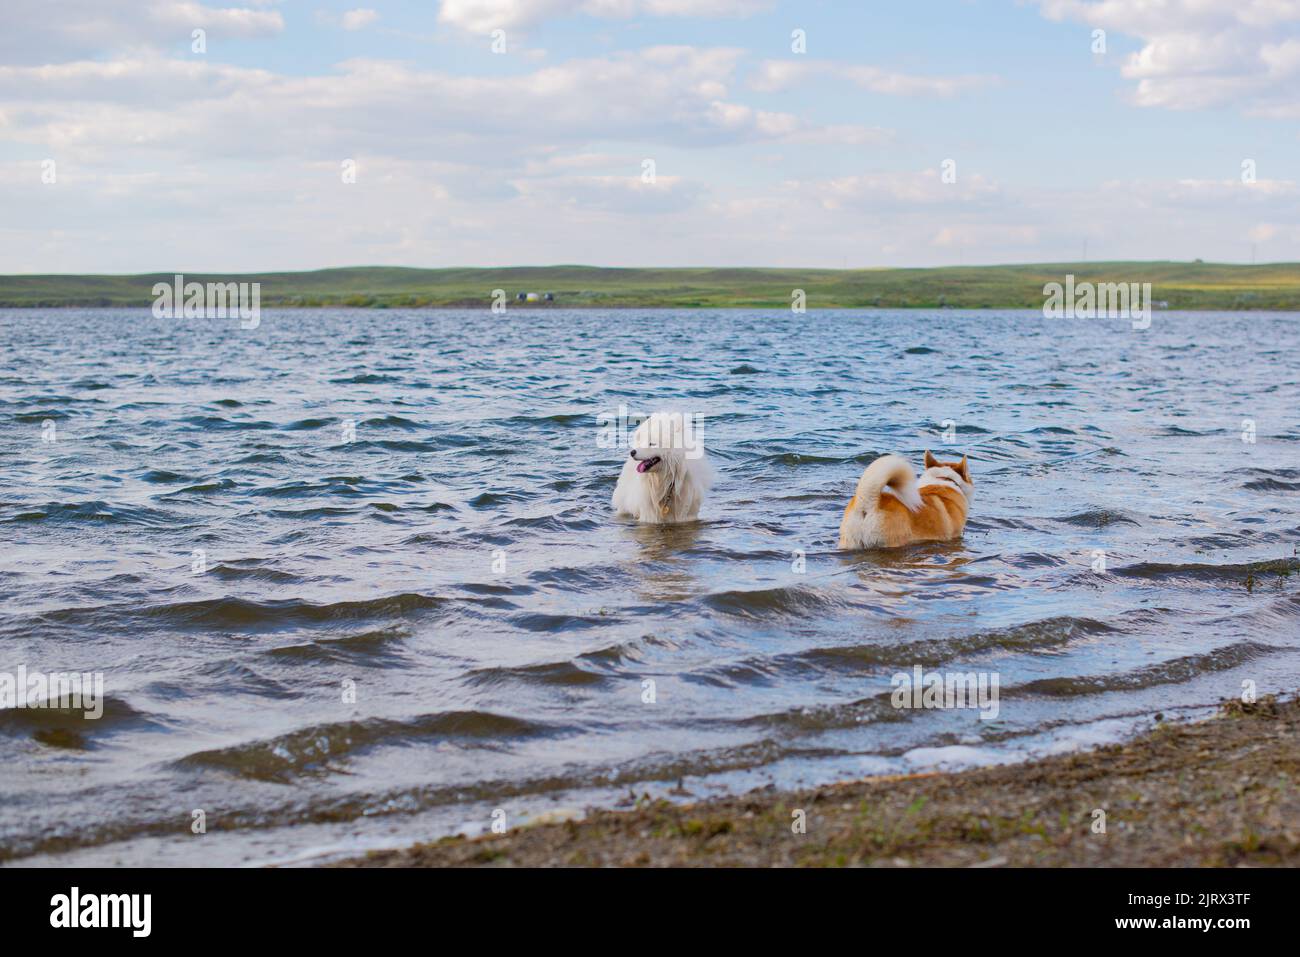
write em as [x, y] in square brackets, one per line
[1221, 792]
[1181, 285]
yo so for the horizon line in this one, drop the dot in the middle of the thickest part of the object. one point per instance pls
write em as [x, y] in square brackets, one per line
[824, 269]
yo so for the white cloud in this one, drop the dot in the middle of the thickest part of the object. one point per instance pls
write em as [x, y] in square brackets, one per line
[897, 190]
[775, 75]
[359, 18]
[190, 162]
[284, 213]
[625, 195]
[483, 16]
[676, 95]
[35, 31]
[986, 235]
[1199, 54]
[1187, 194]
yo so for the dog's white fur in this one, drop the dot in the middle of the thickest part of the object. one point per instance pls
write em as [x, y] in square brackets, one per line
[942, 475]
[887, 475]
[672, 489]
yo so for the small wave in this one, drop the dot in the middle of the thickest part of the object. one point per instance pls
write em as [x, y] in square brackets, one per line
[1238, 573]
[1269, 473]
[762, 602]
[493, 499]
[1243, 539]
[391, 422]
[262, 458]
[312, 750]
[794, 459]
[628, 652]
[234, 572]
[369, 645]
[340, 485]
[1275, 617]
[163, 477]
[555, 523]
[219, 486]
[1049, 633]
[40, 415]
[217, 423]
[242, 612]
[494, 590]
[556, 418]
[574, 579]
[323, 511]
[994, 521]
[1175, 671]
[1098, 518]
[364, 378]
[1272, 485]
[96, 511]
[749, 673]
[1033, 560]
[67, 727]
[400, 445]
[550, 623]
[47, 400]
[563, 674]
[830, 717]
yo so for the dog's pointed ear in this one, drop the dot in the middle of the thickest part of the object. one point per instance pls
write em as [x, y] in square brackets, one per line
[930, 460]
[963, 469]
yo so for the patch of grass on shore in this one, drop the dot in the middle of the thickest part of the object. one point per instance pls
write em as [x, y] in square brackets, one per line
[1206, 286]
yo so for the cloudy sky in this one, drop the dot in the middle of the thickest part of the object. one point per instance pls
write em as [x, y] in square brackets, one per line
[233, 157]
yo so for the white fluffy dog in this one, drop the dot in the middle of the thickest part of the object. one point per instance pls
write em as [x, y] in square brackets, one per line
[666, 473]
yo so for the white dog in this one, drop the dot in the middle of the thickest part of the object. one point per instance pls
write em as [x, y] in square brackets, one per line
[666, 473]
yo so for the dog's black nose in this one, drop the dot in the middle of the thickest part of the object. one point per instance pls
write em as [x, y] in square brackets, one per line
[632, 454]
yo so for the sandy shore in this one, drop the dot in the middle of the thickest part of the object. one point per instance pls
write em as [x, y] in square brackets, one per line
[1215, 793]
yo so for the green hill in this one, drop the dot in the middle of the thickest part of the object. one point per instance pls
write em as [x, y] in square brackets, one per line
[1181, 285]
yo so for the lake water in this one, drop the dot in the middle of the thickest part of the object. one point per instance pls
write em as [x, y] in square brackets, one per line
[414, 505]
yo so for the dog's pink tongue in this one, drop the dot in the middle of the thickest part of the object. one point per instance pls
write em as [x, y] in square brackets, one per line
[643, 465]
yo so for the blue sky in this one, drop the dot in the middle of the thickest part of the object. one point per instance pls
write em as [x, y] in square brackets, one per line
[123, 149]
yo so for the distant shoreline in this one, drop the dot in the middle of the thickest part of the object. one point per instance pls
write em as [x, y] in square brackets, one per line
[1212, 793]
[1174, 287]
[597, 307]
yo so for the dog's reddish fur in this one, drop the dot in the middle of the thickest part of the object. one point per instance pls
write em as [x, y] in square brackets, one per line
[942, 514]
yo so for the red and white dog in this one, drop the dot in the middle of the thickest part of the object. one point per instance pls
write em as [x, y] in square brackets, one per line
[891, 507]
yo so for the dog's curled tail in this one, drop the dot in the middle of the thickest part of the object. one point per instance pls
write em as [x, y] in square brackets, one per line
[889, 474]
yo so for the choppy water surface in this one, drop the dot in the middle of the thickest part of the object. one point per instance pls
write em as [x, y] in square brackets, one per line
[476, 442]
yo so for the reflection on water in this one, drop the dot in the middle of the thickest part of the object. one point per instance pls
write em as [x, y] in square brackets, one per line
[236, 527]
[662, 563]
